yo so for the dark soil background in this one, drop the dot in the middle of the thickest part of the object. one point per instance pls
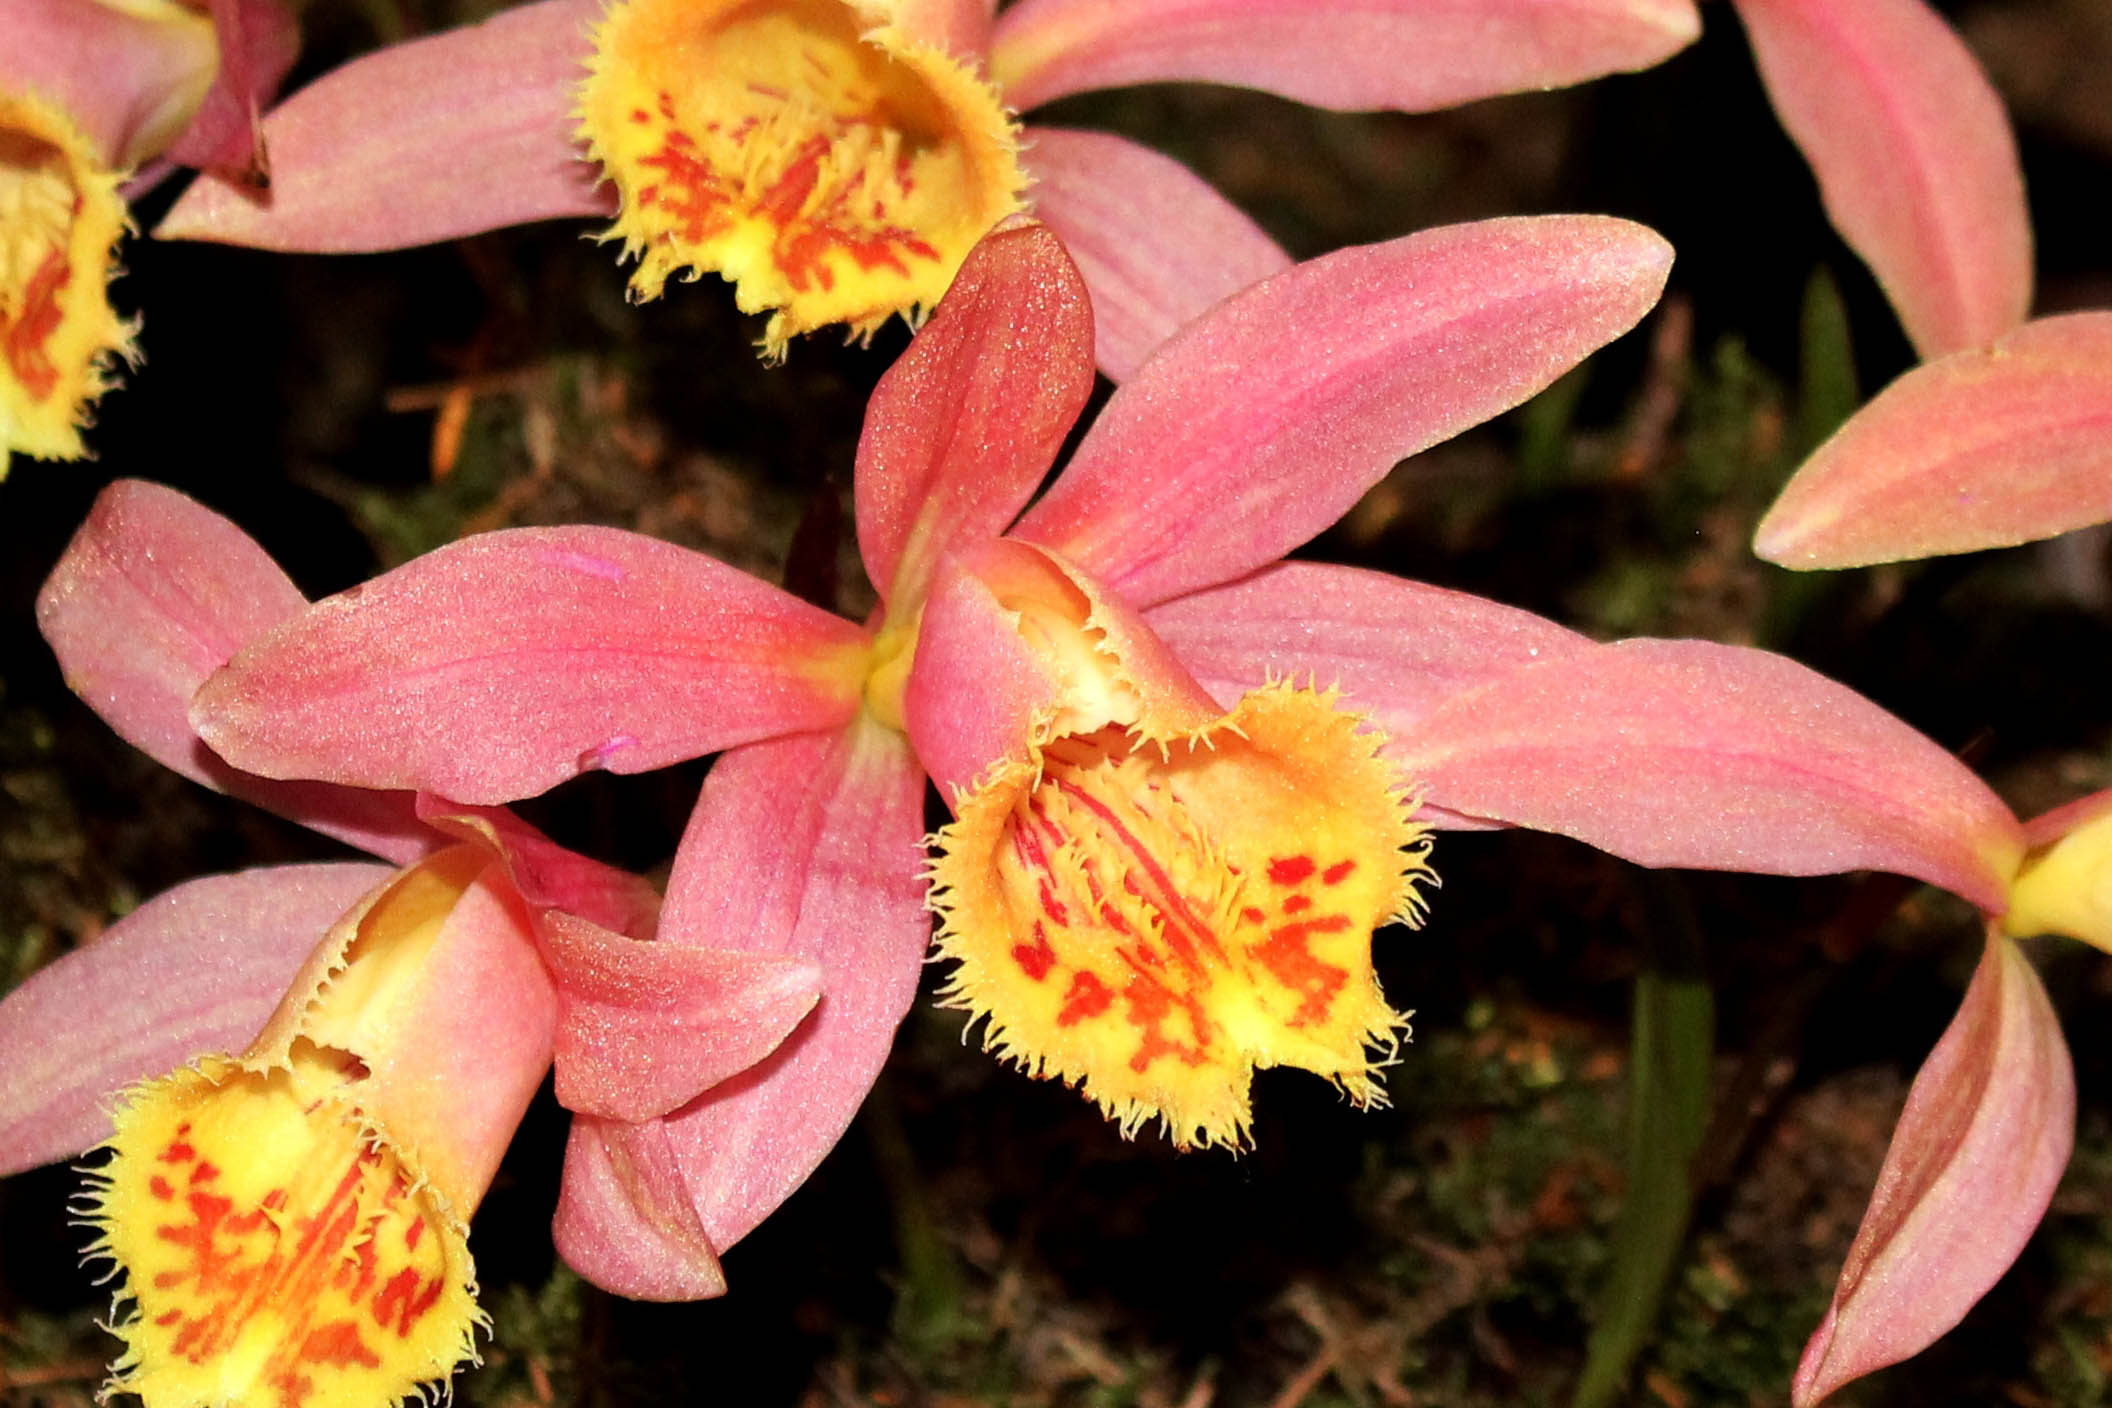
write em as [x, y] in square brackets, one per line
[980, 1238]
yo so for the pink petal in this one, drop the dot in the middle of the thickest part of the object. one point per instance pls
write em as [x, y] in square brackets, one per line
[1413, 55]
[624, 1219]
[2049, 827]
[156, 592]
[1913, 154]
[961, 429]
[194, 970]
[1264, 421]
[1689, 753]
[496, 667]
[128, 81]
[1396, 649]
[428, 140]
[1156, 244]
[258, 41]
[1979, 1148]
[547, 875]
[1979, 449]
[808, 846]
[644, 1027]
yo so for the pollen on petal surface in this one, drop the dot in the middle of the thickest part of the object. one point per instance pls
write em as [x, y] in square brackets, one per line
[278, 1249]
[1154, 919]
[834, 169]
[60, 217]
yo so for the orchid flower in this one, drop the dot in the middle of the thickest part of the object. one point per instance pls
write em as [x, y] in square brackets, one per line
[836, 159]
[89, 89]
[1998, 438]
[291, 1221]
[1188, 780]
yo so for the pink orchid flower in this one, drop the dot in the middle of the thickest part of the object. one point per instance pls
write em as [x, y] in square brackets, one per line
[393, 1023]
[89, 89]
[1185, 775]
[836, 159]
[1999, 438]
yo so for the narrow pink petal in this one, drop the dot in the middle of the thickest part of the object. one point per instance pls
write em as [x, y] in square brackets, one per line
[128, 81]
[1689, 753]
[1978, 449]
[1156, 244]
[962, 428]
[1913, 154]
[1261, 423]
[1980, 1146]
[496, 667]
[154, 593]
[624, 1219]
[1413, 55]
[194, 970]
[2049, 827]
[808, 846]
[645, 1027]
[422, 141]
[1396, 649]
[258, 42]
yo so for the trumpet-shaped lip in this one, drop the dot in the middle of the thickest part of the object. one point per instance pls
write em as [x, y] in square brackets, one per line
[828, 163]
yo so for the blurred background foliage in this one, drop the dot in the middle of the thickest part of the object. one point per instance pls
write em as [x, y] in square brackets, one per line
[1634, 1135]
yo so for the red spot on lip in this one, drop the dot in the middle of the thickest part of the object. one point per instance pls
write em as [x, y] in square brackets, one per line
[404, 1300]
[205, 1172]
[1291, 870]
[1338, 872]
[1253, 915]
[159, 1187]
[1037, 958]
[1088, 997]
[23, 340]
[178, 1152]
[1287, 957]
[1297, 904]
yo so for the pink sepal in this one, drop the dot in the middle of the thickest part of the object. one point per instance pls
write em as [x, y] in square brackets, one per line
[196, 969]
[1979, 449]
[644, 1027]
[500, 665]
[624, 1219]
[2049, 827]
[1913, 154]
[1413, 55]
[1156, 244]
[1973, 1164]
[153, 594]
[258, 41]
[422, 141]
[961, 429]
[1260, 423]
[809, 846]
[1397, 649]
[548, 875]
[1689, 753]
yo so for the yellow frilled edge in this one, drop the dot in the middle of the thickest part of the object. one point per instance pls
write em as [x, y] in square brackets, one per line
[1153, 919]
[812, 152]
[60, 220]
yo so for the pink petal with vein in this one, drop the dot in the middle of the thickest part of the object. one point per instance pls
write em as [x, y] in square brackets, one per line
[498, 666]
[258, 41]
[1913, 154]
[194, 970]
[1396, 649]
[1979, 449]
[1979, 1148]
[423, 141]
[1264, 421]
[1414, 55]
[548, 875]
[1156, 244]
[1689, 753]
[644, 1027]
[961, 429]
[154, 593]
[624, 1219]
[808, 846]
